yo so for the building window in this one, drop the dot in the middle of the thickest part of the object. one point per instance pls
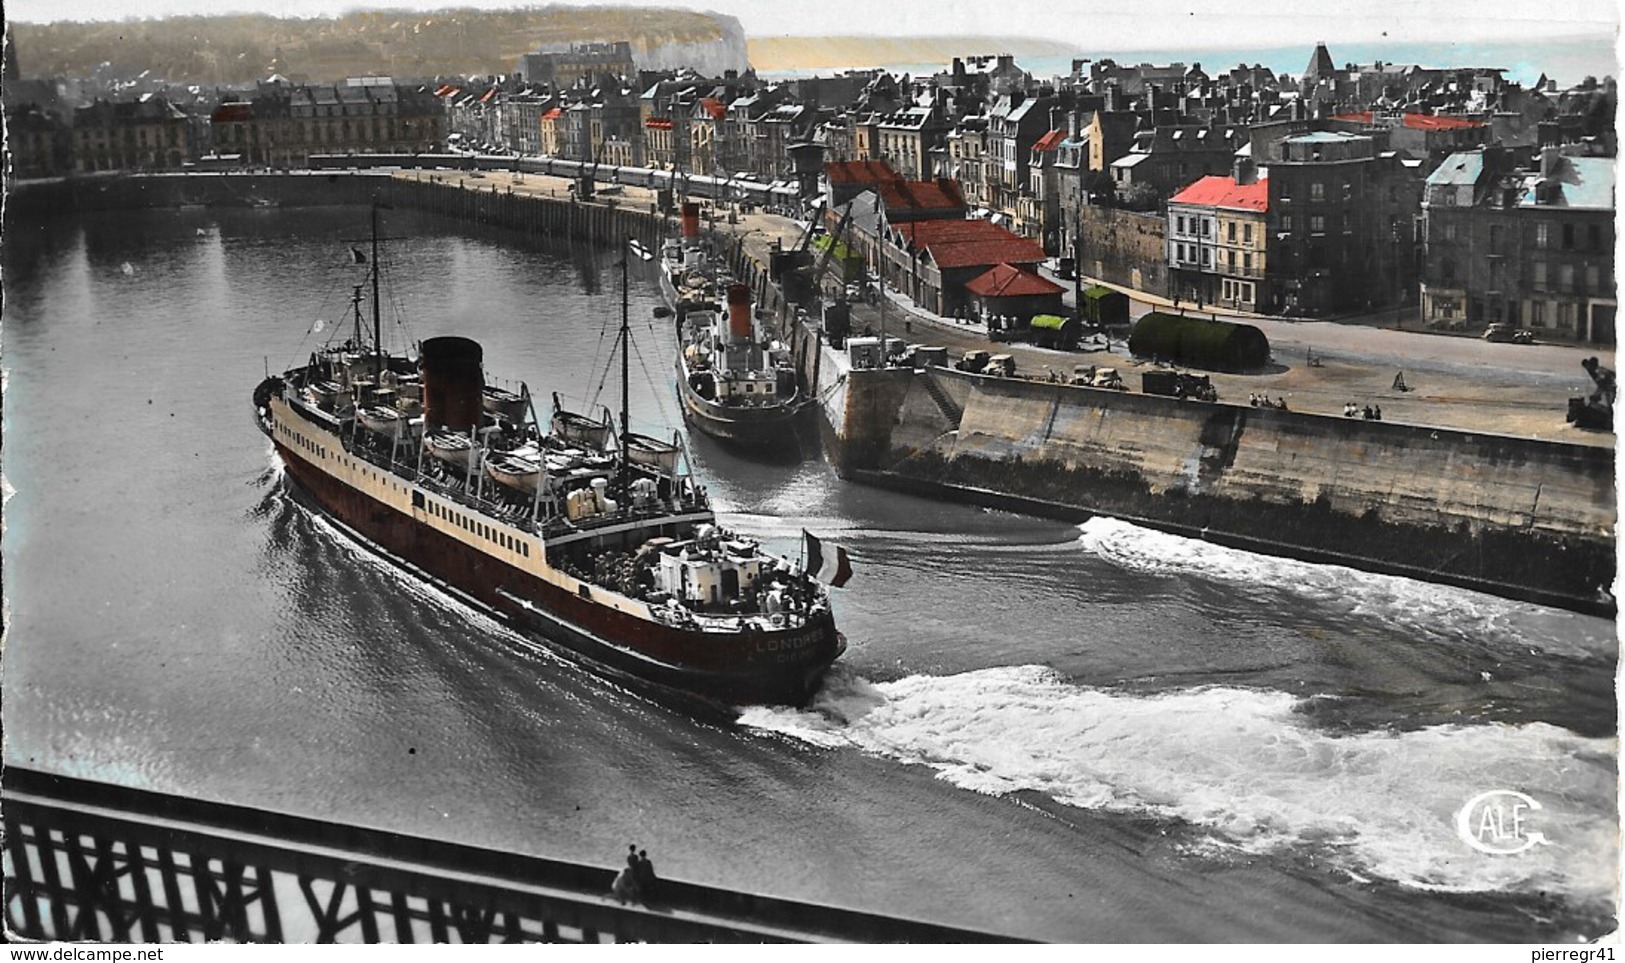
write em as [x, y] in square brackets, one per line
[1594, 235]
[1247, 233]
[1317, 191]
[1182, 224]
[1247, 261]
[1565, 277]
[1565, 315]
[1207, 227]
[1317, 223]
[1542, 235]
[1232, 260]
[1206, 257]
[1230, 232]
[1540, 274]
[1286, 222]
[1348, 190]
[1568, 237]
[1537, 314]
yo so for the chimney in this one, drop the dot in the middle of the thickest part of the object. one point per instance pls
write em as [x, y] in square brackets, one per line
[739, 327]
[1549, 157]
[691, 220]
[452, 382]
[1244, 171]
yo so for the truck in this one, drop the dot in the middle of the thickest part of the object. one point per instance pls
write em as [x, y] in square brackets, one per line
[1000, 365]
[974, 360]
[1178, 384]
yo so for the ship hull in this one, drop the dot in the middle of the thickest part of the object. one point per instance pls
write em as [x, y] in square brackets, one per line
[767, 428]
[731, 668]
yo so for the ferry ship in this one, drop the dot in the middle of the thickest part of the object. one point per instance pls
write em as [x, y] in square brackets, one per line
[598, 542]
[736, 384]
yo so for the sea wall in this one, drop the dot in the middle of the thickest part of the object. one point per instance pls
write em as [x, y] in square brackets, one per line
[1515, 516]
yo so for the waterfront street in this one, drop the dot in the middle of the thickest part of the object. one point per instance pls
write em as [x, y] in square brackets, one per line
[1455, 381]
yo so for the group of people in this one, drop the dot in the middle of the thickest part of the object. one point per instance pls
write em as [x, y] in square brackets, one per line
[1368, 412]
[636, 880]
[1258, 400]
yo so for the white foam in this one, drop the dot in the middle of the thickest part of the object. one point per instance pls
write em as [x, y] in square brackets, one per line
[1424, 606]
[1245, 767]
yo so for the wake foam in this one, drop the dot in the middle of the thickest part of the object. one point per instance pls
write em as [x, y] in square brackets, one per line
[1428, 608]
[1245, 768]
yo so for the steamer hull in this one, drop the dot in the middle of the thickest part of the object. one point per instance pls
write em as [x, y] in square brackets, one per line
[749, 666]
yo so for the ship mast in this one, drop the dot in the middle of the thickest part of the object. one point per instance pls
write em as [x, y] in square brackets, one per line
[377, 325]
[633, 248]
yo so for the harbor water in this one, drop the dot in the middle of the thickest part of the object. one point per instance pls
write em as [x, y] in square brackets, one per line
[1065, 732]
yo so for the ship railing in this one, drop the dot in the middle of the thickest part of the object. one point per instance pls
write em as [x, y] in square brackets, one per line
[560, 525]
[448, 487]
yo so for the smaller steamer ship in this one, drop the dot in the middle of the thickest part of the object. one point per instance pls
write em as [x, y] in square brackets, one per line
[597, 541]
[736, 384]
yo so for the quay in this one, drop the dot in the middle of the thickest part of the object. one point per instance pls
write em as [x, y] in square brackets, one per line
[93, 861]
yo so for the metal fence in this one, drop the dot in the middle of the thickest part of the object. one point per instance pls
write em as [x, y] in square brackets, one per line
[88, 861]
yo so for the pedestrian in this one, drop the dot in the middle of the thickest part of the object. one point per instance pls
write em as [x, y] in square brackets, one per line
[625, 886]
[645, 875]
[1376, 413]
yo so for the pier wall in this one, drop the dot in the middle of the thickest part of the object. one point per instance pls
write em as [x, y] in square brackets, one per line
[495, 204]
[1513, 516]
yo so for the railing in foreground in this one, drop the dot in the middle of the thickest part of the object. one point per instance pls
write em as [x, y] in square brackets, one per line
[89, 861]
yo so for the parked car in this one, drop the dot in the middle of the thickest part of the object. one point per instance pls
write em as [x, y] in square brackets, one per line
[1503, 333]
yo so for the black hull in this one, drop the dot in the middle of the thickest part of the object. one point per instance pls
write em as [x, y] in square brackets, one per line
[770, 430]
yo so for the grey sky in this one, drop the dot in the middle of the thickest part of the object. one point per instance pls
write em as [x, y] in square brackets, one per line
[1142, 24]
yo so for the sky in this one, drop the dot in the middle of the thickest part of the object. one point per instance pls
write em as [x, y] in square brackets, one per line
[1094, 24]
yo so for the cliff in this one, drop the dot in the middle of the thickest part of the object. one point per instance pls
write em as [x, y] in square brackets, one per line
[812, 53]
[233, 49]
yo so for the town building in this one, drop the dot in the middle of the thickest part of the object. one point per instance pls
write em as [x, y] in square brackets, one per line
[134, 135]
[39, 141]
[1217, 233]
[1527, 244]
[589, 64]
[1342, 214]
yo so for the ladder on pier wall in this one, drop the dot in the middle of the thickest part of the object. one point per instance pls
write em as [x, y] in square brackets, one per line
[952, 411]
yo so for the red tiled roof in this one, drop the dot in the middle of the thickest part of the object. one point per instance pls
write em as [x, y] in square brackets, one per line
[445, 90]
[1415, 121]
[942, 194]
[1049, 140]
[1436, 122]
[976, 243]
[1218, 190]
[716, 108]
[488, 95]
[1004, 281]
[860, 172]
[554, 114]
[657, 123]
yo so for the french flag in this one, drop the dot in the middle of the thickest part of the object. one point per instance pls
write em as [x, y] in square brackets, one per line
[829, 565]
